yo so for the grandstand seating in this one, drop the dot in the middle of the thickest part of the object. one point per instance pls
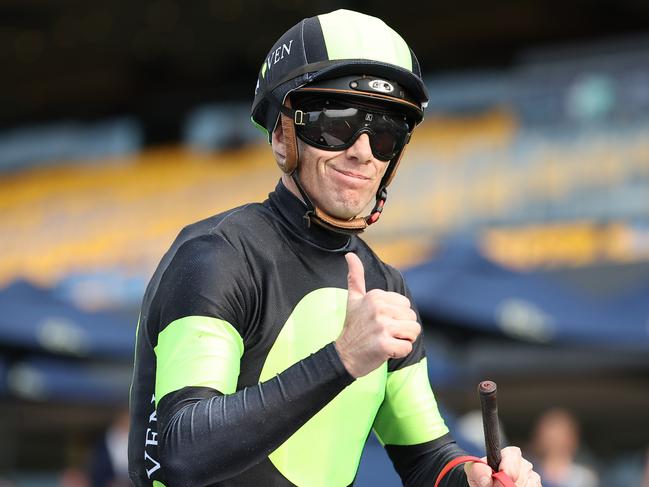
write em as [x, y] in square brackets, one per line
[561, 141]
[458, 173]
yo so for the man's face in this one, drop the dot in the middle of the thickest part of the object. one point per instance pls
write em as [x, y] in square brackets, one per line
[342, 183]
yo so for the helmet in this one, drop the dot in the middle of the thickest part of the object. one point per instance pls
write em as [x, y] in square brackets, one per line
[315, 55]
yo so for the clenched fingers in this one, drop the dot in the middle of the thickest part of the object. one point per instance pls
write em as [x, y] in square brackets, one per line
[388, 297]
[406, 330]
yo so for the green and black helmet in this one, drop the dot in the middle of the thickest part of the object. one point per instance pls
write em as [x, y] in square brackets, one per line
[348, 55]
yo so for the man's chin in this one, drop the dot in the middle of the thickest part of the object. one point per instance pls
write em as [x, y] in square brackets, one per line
[345, 213]
[343, 208]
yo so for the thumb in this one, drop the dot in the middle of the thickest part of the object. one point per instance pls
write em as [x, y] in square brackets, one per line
[355, 274]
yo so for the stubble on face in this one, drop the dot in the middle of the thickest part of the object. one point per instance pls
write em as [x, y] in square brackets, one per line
[342, 183]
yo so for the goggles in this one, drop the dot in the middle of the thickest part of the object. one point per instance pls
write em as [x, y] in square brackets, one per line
[335, 126]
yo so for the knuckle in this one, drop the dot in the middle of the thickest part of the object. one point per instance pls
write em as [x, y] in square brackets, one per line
[412, 329]
[374, 302]
[375, 311]
[378, 316]
[380, 308]
[384, 344]
[397, 298]
[374, 294]
[405, 347]
[385, 327]
[417, 327]
[532, 479]
[513, 450]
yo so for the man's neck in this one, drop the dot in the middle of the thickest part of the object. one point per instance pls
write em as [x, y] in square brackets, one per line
[291, 186]
[294, 210]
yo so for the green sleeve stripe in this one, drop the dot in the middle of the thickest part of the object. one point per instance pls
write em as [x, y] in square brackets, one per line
[197, 351]
[346, 37]
[409, 414]
[157, 483]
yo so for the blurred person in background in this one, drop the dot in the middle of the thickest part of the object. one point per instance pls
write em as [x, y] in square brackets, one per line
[555, 443]
[271, 338]
[109, 462]
[73, 477]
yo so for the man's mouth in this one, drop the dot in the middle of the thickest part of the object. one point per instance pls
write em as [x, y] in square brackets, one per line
[352, 174]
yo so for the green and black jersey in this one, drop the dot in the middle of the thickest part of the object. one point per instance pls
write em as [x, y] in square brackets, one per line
[237, 381]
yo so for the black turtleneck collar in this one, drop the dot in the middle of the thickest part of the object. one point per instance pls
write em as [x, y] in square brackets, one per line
[292, 213]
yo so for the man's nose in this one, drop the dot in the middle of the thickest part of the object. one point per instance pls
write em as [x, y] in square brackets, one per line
[361, 149]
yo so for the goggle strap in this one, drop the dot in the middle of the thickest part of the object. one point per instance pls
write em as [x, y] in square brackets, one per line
[290, 139]
[286, 110]
[375, 96]
[394, 165]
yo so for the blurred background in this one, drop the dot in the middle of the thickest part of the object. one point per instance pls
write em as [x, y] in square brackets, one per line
[520, 215]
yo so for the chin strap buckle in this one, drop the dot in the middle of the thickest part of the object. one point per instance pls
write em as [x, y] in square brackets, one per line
[307, 218]
[381, 196]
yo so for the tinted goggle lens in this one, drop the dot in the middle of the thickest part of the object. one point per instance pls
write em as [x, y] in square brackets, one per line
[337, 128]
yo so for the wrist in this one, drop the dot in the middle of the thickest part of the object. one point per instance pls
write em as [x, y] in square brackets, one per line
[345, 360]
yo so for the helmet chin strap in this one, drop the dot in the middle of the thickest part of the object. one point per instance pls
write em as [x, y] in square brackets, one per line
[348, 227]
[314, 214]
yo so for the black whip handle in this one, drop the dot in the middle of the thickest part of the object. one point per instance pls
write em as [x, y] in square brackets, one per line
[489, 402]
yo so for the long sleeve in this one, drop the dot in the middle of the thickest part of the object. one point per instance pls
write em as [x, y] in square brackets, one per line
[410, 425]
[207, 437]
[419, 465]
[413, 432]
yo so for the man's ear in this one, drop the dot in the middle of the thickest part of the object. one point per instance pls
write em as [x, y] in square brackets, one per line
[279, 145]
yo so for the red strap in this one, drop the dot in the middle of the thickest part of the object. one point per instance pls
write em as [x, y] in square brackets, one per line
[454, 463]
[501, 477]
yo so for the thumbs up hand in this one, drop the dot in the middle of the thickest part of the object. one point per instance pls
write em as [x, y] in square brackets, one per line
[379, 325]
